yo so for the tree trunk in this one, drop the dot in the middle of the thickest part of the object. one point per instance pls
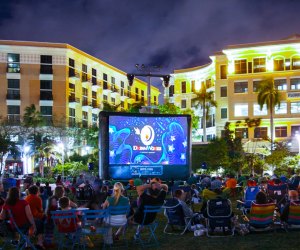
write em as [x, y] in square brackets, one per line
[271, 125]
[204, 121]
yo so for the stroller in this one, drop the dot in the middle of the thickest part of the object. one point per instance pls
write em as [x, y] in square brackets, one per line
[249, 196]
[219, 214]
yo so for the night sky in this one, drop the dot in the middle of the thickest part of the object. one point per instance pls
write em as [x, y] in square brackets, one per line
[173, 34]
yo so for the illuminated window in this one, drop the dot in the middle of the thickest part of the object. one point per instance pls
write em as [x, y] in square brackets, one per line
[223, 91]
[223, 113]
[241, 133]
[193, 86]
[223, 71]
[280, 84]
[241, 110]
[295, 84]
[183, 87]
[240, 87]
[240, 66]
[259, 65]
[296, 62]
[295, 130]
[278, 64]
[256, 85]
[183, 104]
[295, 107]
[13, 63]
[261, 132]
[257, 111]
[282, 109]
[281, 131]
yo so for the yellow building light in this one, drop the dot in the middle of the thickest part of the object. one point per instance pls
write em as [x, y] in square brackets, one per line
[270, 64]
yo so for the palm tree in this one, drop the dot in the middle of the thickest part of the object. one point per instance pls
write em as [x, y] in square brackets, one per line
[269, 95]
[206, 100]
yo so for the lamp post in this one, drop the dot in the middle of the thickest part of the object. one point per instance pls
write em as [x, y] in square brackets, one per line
[148, 73]
[62, 147]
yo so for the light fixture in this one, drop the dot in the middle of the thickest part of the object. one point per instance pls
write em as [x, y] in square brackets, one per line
[166, 80]
[130, 78]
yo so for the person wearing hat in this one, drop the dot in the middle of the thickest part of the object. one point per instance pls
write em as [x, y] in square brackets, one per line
[152, 194]
[293, 199]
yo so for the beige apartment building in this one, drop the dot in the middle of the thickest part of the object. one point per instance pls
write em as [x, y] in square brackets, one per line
[234, 75]
[64, 83]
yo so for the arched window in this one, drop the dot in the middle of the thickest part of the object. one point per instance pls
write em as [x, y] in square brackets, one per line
[279, 64]
[296, 62]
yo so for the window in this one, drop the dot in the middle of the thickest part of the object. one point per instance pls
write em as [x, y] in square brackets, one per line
[94, 95]
[258, 112]
[280, 84]
[46, 110]
[223, 113]
[256, 85]
[84, 68]
[241, 110]
[122, 88]
[13, 63]
[46, 90]
[259, 65]
[122, 104]
[295, 83]
[84, 119]
[240, 66]
[113, 100]
[282, 109]
[71, 63]
[278, 64]
[241, 133]
[183, 87]
[13, 110]
[143, 95]
[13, 89]
[171, 90]
[249, 67]
[105, 98]
[46, 64]
[94, 72]
[104, 77]
[296, 62]
[94, 119]
[295, 130]
[72, 112]
[71, 87]
[287, 64]
[183, 104]
[105, 84]
[295, 107]
[155, 100]
[261, 132]
[46, 59]
[136, 94]
[223, 71]
[240, 87]
[224, 91]
[281, 131]
[193, 86]
[46, 84]
[113, 80]
[84, 91]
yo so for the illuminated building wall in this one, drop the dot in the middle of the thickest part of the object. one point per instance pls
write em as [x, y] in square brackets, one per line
[65, 83]
[237, 72]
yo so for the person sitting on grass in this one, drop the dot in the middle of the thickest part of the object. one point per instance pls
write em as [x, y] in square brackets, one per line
[261, 198]
[152, 194]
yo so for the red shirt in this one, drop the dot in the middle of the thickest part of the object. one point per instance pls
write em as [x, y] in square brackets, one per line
[67, 225]
[18, 212]
[35, 203]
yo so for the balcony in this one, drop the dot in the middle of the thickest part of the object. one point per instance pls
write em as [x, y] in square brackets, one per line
[10, 96]
[106, 88]
[95, 84]
[74, 74]
[46, 69]
[85, 78]
[86, 103]
[95, 104]
[13, 119]
[73, 99]
[46, 96]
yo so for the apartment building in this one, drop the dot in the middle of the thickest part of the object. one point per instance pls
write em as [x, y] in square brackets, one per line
[65, 84]
[234, 74]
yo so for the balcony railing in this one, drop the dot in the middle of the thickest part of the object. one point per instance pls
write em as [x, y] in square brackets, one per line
[95, 104]
[10, 96]
[86, 78]
[86, 103]
[74, 73]
[46, 96]
[73, 99]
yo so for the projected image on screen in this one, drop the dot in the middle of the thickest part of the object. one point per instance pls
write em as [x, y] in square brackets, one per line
[148, 140]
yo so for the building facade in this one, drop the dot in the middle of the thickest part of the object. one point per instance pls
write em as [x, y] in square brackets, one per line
[234, 75]
[64, 83]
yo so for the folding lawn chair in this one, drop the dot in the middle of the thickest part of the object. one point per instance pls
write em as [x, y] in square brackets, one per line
[66, 229]
[261, 217]
[249, 197]
[24, 239]
[219, 214]
[176, 218]
[278, 194]
[151, 226]
[293, 221]
[93, 223]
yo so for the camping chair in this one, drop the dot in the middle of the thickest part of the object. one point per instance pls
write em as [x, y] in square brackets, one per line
[219, 214]
[278, 194]
[249, 197]
[67, 231]
[93, 223]
[151, 226]
[11, 228]
[175, 216]
[261, 217]
[293, 221]
[116, 219]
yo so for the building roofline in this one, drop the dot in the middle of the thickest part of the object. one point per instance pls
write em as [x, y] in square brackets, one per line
[176, 71]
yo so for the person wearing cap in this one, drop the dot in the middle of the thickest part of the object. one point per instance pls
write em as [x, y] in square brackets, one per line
[293, 199]
[152, 194]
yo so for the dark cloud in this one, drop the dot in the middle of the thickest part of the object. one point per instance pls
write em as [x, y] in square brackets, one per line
[172, 33]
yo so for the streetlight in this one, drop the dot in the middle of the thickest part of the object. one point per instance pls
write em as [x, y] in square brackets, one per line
[62, 147]
[148, 73]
